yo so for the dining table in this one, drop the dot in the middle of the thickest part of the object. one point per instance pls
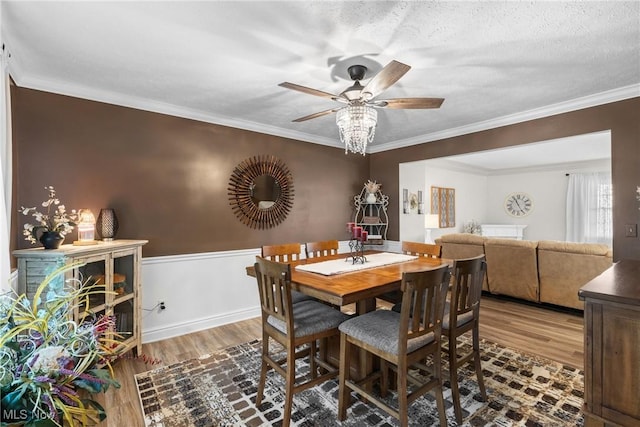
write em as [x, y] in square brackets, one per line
[358, 283]
[337, 280]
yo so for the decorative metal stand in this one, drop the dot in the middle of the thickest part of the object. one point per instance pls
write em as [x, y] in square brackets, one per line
[356, 247]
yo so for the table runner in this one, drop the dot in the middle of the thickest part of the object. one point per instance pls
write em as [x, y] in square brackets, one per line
[337, 266]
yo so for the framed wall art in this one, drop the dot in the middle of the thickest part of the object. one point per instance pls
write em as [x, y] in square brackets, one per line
[443, 203]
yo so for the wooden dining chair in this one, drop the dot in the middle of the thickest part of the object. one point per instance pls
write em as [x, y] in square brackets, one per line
[462, 314]
[412, 248]
[286, 253]
[402, 341]
[422, 249]
[321, 249]
[293, 326]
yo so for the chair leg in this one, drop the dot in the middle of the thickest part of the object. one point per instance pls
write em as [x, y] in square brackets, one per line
[312, 359]
[263, 369]
[344, 399]
[437, 372]
[289, 384]
[384, 378]
[477, 363]
[453, 378]
[323, 352]
[403, 404]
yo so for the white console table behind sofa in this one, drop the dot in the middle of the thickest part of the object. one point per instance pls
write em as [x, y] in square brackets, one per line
[504, 231]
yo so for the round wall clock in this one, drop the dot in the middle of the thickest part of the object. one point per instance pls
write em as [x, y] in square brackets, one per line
[518, 204]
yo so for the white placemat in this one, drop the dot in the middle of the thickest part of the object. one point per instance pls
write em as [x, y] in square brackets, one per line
[337, 266]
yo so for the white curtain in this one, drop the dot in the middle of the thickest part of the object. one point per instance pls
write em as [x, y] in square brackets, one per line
[5, 168]
[589, 208]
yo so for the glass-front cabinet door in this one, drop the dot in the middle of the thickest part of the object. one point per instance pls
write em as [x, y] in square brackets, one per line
[111, 285]
[123, 298]
[91, 277]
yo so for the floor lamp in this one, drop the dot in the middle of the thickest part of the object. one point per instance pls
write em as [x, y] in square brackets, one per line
[431, 221]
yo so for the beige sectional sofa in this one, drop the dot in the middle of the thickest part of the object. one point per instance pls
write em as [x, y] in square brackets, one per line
[541, 271]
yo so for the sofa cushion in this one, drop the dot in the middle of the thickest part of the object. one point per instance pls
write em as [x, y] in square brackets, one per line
[468, 238]
[564, 267]
[575, 248]
[523, 244]
[463, 245]
[512, 267]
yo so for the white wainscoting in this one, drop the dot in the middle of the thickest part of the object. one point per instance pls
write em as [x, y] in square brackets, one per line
[203, 290]
[200, 291]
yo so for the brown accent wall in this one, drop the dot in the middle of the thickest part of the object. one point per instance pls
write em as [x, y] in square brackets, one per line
[167, 177]
[622, 118]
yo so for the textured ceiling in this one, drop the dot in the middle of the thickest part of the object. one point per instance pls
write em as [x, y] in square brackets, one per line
[221, 62]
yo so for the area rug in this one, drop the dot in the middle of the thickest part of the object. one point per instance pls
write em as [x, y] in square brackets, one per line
[219, 389]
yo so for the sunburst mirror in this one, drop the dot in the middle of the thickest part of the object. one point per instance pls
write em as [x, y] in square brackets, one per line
[261, 191]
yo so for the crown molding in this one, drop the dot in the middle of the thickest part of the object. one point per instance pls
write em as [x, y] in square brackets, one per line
[452, 165]
[603, 165]
[613, 95]
[92, 94]
[84, 92]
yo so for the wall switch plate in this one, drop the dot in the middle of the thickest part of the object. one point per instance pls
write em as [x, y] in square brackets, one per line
[631, 230]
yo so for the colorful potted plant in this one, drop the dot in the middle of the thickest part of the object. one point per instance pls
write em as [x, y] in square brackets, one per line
[50, 365]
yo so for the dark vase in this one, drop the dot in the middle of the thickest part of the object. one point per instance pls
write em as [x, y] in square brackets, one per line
[51, 239]
[107, 224]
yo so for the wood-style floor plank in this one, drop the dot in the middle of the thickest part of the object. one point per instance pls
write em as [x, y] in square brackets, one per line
[530, 328]
[534, 329]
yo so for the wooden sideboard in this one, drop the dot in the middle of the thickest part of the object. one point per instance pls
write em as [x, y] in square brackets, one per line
[110, 266]
[612, 346]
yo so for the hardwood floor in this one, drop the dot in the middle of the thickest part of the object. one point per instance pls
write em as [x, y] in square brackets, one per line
[530, 328]
[555, 335]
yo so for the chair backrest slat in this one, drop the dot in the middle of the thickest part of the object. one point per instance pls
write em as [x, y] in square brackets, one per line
[274, 284]
[286, 252]
[423, 300]
[321, 249]
[422, 249]
[468, 275]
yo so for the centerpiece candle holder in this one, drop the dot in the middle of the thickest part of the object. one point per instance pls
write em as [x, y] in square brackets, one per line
[356, 243]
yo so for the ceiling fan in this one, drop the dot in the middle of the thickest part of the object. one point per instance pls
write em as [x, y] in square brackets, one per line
[357, 94]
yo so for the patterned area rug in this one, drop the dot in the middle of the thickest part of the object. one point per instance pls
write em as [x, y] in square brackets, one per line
[219, 390]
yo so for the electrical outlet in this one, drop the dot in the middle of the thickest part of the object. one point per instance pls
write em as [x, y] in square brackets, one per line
[161, 306]
[631, 230]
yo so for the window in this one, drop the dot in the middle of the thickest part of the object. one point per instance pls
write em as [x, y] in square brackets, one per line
[590, 208]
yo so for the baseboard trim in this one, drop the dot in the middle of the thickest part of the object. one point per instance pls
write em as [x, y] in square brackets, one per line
[197, 325]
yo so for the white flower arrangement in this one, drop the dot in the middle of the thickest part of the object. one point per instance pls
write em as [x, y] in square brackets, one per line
[472, 227]
[372, 186]
[59, 220]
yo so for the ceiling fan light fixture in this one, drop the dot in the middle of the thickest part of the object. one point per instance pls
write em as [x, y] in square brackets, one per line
[357, 127]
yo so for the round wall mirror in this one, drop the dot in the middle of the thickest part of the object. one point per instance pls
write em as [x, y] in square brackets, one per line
[265, 191]
[261, 191]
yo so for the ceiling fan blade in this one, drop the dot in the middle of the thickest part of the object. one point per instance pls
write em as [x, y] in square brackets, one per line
[309, 90]
[409, 103]
[314, 115]
[390, 74]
